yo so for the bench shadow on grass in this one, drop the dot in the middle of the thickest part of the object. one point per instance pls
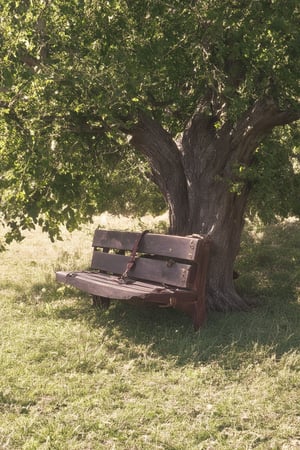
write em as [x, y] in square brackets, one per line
[269, 272]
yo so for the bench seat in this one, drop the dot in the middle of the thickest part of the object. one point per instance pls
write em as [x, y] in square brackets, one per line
[109, 286]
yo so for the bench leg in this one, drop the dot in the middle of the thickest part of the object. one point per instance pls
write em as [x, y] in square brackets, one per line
[101, 302]
[196, 310]
[199, 315]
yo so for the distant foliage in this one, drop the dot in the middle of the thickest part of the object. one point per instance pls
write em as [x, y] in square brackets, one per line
[275, 176]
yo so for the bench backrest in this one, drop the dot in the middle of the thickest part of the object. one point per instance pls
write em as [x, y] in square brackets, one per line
[171, 260]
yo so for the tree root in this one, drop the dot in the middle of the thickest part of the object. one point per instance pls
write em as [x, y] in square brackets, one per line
[228, 301]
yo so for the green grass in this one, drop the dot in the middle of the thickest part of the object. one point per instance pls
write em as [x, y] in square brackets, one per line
[72, 377]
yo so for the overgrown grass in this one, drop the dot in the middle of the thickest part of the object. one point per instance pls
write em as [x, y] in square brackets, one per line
[140, 378]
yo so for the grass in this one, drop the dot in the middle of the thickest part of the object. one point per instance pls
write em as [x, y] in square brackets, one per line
[140, 378]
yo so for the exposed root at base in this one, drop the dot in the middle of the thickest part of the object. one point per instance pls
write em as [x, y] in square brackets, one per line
[228, 301]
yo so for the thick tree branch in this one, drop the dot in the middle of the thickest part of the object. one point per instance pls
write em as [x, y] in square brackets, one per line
[157, 145]
[238, 142]
[260, 119]
[200, 145]
[164, 157]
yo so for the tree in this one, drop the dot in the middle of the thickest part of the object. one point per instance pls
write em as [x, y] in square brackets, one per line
[191, 86]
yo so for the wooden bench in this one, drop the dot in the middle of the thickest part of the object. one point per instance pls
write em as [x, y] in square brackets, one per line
[167, 270]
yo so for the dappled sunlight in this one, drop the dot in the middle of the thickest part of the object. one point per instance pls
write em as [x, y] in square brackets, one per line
[134, 364]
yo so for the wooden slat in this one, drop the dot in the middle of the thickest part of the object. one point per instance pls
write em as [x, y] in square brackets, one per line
[111, 280]
[104, 285]
[171, 273]
[164, 245]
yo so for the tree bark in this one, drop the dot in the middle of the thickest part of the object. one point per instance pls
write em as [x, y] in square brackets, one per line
[196, 174]
[167, 170]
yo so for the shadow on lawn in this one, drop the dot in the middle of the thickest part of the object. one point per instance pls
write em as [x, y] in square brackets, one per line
[269, 271]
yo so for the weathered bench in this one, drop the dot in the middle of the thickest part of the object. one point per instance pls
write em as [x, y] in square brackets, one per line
[167, 270]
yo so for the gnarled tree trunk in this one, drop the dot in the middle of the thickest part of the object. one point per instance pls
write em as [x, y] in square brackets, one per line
[196, 175]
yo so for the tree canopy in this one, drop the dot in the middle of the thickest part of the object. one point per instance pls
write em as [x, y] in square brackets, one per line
[77, 75]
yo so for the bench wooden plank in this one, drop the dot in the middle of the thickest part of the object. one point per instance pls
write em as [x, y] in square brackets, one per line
[109, 286]
[158, 244]
[111, 280]
[167, 272]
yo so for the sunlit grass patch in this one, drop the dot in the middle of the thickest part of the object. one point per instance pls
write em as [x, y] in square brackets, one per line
[73, 377]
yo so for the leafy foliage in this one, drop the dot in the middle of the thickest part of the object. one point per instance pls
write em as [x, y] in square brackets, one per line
[74, 76]
[275, 176]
